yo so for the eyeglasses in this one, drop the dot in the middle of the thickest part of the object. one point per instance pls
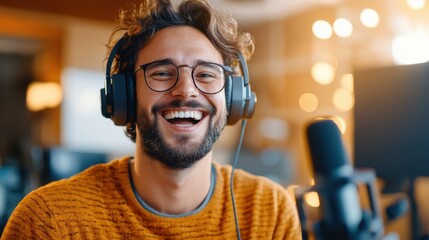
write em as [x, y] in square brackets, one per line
[208, 77]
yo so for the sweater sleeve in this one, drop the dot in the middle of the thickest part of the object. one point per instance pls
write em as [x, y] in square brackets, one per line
[31, 219]
[289, 227]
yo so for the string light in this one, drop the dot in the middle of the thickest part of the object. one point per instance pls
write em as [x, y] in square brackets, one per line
[323, 73]
[343, 100]
[416, 4]
[308, 102]
[322, 29]
[369, 18]
[343, 27]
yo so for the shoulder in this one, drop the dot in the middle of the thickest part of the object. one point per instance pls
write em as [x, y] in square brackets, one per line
[96, 187]
[94, 181]
[249, 181]
[262, 200]
[95, 177]
[256, 189]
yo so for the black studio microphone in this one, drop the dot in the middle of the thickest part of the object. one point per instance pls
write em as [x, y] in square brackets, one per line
[340, 204]
[340, 214]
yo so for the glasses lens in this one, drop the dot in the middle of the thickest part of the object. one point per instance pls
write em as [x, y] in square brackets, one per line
[161, 76]
[209, 77]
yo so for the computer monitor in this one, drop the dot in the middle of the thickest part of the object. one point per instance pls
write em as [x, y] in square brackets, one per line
[392, 121]
[59, 163]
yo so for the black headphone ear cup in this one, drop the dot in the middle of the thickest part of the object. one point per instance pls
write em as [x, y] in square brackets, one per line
[123, 99]
[237, 100]
[228, 93]
[131, 97]
[240, 100]
[104, 102]
[113, 85]
[119, 99]
[250, 105]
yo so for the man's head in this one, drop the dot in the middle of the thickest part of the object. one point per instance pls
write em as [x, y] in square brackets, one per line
[178, 124]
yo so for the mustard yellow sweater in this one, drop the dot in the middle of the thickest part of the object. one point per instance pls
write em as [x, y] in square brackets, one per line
[99, 203]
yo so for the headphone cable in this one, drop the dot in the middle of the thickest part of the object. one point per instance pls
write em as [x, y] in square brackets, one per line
[231, 182]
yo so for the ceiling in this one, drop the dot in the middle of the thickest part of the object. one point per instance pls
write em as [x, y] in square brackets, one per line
[245, 11]
[251, 11]
[91, 9]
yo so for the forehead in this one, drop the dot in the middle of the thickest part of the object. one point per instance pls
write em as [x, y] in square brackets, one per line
[181, 44]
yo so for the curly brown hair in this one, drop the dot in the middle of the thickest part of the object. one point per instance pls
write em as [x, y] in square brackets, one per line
[142, 22]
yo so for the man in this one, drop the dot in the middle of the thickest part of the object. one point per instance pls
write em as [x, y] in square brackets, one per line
[171, 188]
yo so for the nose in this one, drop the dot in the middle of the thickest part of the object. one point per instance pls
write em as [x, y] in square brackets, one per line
[185, 86]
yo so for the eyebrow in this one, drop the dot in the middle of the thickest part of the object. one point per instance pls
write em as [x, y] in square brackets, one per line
[167, 60]
[198, 61]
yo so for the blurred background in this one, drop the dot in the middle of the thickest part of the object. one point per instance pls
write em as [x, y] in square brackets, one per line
[363, 62]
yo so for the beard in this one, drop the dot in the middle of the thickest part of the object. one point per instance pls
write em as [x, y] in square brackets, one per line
[187, 151]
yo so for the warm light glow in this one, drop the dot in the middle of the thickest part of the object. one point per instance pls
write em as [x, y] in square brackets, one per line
[343, 27]
[416, 4]
[411, 48]
[347, 82]
[312, 199]
[369, 18]
[323, 73]
[42, 95]
[308, 102]
[322, 29]
[343, 100]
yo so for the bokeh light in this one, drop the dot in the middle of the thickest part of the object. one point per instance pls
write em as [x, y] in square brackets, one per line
[308, 102]
[323, 73]
[369, 18]
[416, 4]
[343, 27]
[343, 100]
[411, 48]
[42, 95]
[322, 29]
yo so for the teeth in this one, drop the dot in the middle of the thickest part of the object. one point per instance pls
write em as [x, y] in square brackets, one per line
[183, 114]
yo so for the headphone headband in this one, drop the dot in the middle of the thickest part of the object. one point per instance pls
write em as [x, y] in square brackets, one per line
[118, 97]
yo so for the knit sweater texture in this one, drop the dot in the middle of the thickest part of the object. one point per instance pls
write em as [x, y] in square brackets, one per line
[99, 203]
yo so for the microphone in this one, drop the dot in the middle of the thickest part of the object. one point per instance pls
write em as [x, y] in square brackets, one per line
[340, 214]
[340, 203]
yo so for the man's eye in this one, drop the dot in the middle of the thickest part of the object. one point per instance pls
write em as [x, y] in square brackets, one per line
[205, 77]
[162, 75]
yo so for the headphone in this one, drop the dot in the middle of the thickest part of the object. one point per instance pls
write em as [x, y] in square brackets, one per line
[118, 97]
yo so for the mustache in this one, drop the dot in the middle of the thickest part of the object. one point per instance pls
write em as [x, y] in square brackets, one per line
[179, 103]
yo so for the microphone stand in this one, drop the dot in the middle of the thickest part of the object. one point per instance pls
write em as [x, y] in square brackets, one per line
[371, 226]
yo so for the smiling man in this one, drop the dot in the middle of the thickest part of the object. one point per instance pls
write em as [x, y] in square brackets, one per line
[175, 68]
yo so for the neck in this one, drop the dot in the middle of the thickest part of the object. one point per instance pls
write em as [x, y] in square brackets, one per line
[171, 191]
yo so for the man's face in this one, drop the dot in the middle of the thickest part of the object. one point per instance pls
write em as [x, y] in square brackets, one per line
[179, 126]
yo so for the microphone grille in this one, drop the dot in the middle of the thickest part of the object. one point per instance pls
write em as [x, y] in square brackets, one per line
[326, 147]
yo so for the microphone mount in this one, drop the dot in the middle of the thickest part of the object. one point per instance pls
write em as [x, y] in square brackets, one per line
[340, 214]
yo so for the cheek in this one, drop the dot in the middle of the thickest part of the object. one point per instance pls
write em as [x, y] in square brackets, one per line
[219, 102]
[145, 97]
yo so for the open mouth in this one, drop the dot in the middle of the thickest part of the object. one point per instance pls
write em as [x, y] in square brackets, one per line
[185, 118]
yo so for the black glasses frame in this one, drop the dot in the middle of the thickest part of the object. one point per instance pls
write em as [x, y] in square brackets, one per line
[228, 70]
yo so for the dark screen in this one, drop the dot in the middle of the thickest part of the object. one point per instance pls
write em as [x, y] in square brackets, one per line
[63, 163]
[392, 120]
